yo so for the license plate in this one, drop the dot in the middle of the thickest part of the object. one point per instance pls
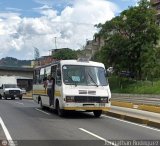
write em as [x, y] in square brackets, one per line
[89, 105]
[102, 104]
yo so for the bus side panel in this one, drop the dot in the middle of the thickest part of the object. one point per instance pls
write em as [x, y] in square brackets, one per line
[40, 91]
[58, 95]
[34, 95]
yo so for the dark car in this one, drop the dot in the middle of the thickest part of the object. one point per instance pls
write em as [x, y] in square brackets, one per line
[127, 74]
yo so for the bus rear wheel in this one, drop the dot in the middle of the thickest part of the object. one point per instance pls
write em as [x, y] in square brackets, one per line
[97, 113]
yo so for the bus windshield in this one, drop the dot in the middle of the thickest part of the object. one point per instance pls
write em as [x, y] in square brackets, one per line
[84, 75]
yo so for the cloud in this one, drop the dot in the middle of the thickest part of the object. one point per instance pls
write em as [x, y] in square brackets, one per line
[44, 2]
[72, 26]
[56, 3]
[13, 9]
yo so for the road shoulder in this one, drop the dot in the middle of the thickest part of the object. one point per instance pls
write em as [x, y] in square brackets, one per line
[136, 116]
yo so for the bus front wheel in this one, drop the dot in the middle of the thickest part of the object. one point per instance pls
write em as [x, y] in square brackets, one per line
[97, 113]
[60, 111]
[41, 104]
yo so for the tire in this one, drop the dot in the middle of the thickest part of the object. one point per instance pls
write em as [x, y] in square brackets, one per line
[5, 97]
[0, 96]
[60, 112]
[41, 105]
[97, 113]
[13, 98]
[20, 97]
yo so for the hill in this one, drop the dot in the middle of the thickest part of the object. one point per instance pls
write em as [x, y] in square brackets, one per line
[10, 61]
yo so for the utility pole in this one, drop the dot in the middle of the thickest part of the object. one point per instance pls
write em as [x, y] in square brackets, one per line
[55, 38]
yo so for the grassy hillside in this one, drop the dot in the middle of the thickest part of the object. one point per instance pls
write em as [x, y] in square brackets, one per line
[124, 85]
[9, 61]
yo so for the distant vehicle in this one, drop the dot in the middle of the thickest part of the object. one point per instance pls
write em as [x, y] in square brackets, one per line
[127, 74]
[80, 85]
[9, 89]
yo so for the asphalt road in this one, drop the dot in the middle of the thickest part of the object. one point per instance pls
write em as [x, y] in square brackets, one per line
[29, 125]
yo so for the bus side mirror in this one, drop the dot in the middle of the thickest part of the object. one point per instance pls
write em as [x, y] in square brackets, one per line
[58, 72]
[110, 70]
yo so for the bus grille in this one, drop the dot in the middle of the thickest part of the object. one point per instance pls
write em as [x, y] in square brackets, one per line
[93, 99]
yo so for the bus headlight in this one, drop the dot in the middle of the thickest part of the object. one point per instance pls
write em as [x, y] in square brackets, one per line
[104, 99]
[69, 98]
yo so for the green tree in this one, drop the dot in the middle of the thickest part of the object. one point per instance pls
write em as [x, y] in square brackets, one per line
[65, 54]
[131, 38]
[36, 53]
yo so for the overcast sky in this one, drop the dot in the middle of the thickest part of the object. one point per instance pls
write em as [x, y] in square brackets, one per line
[25, 24]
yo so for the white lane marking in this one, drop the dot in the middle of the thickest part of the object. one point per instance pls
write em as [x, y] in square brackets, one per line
[101, 138]
[42, 111]
[20, 103]
[132, 123]
[8, 136]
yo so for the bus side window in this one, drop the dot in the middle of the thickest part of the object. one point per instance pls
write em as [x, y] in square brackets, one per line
[58, 77]
[36, 76]
[47, 71]
[42, 74]
[53, 71]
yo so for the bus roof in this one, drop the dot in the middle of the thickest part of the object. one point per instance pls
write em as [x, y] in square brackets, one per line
[86, 63]
[74, 62]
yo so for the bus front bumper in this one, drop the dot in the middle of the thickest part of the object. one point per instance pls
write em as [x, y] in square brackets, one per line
[87, 108]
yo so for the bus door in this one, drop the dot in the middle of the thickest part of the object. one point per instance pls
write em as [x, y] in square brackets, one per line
[42, 90]
[58, 82]
[58, 86]
[53, 75]
[47, 71]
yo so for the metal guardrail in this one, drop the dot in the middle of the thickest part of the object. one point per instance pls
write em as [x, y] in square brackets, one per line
[147, 99]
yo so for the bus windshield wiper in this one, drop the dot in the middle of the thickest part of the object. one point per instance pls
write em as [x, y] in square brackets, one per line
[92, 79]
[71, 79]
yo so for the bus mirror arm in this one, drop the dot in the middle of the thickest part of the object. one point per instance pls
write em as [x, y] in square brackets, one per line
[110, 70]
[58, 72]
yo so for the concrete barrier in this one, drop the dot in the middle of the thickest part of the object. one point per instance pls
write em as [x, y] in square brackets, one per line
[113, 114]
[134, 119]
[122, 104]
[154, 124]
[28, 97]
[150, 108]
[29, 94]
[146, 99]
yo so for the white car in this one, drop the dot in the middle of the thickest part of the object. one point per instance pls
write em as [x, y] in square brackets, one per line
[10, 91]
